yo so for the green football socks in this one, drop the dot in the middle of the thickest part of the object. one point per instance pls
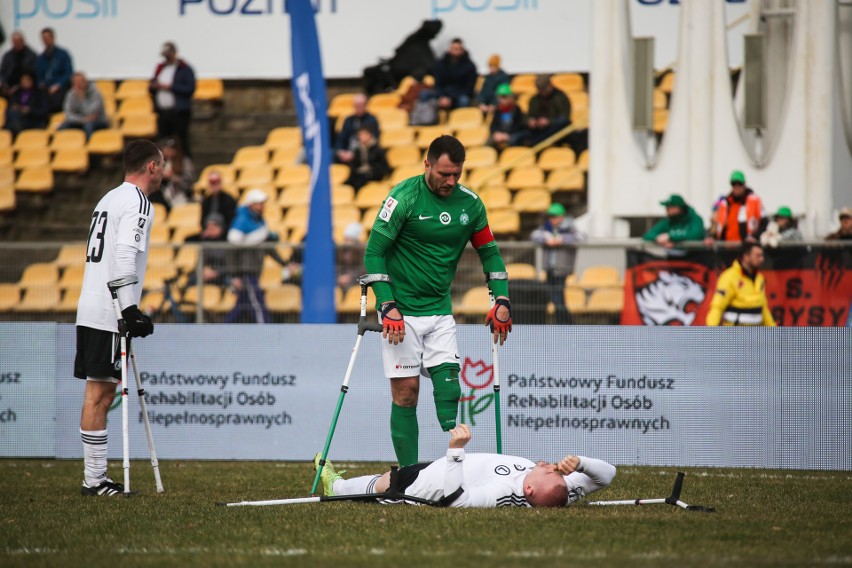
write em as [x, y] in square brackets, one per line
[446, 392]
[404, 433]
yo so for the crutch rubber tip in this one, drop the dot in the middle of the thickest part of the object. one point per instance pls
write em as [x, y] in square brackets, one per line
[130, 493]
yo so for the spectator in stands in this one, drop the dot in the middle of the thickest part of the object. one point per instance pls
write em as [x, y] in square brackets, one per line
[783, 229]
[455, 77]
[496, 77]
[844, 233]
[557, 231]
[420, 100]
[350, 257]
[739, 216]
[218, 201]
[249, 230]
[549, 111]
[740, 297]
[178, 175]
[53, 71]
[369, 162]
[18, 59]
[172, 87]
[27, 106]
[681, 223]
[214, 260]
[347, 138]
[84, 107]
[508, 127]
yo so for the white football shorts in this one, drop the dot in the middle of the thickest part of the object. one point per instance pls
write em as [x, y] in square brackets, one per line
[429, 341]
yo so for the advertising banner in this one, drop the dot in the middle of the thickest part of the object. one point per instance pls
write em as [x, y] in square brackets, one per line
[809, 286]
[734, 397]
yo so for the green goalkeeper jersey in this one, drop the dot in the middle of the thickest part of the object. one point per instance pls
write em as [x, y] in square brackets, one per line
[429, 234]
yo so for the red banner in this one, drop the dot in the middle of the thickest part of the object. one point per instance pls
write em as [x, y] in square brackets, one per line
[804, 287]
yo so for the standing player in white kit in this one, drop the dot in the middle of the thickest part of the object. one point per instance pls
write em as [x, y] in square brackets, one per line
[117, 247]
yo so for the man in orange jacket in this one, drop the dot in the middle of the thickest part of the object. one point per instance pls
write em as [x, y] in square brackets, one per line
[739, 215]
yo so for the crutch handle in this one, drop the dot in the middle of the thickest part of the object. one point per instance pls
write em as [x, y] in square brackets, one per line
[114, 285]
[364, 325]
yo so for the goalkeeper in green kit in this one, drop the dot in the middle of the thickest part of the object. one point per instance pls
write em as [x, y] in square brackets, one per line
[414, 249]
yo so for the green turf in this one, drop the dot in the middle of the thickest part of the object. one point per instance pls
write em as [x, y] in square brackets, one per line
[762, 518]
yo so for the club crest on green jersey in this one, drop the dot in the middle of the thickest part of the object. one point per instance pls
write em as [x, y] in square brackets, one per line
[464, 218]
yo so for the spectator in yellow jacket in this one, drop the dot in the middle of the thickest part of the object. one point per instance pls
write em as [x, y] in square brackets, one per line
[740, 297]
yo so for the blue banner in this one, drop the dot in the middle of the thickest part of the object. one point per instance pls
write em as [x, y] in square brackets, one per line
[318, 278]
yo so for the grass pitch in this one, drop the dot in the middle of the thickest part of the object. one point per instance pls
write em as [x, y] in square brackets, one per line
[762, 518]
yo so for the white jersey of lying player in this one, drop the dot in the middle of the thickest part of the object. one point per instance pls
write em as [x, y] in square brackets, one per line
[117, 247]
[495, 480]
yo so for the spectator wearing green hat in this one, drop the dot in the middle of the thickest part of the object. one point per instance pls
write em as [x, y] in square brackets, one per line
[783, 229]
[507, 124]
[557, 231]
[496, 77]
[739, 216]
[681, 223]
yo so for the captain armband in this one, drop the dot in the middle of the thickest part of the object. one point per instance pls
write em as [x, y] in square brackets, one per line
[497, 276]
[371, 278]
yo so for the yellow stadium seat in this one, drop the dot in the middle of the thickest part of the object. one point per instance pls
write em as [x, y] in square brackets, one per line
[106, 87]
[180, 234]
[473, 136]
[6, 156]
[404, 155]
[566, 179]
[32, 158]
[341, 105]
[597, 276]
[185, 215]
[5, 138]
[297, 194]
[72, 276]
[209, 90]
[523, 83]
[556, 157]
[474, 302]
[660, 99]
[286, 298]
[32, 138]
[156, 276]
[7, 198]
[515, 156]
[110, 106]
[667, 82]
[272, 214]
[404, 172]
[525, 176]
[249, 156]
[39, 274]
[284, 137]
[351, 302]
[71, 255]
[56, 119]
[343, 215]
[296, 217]
[369, 217]
[372, 194]
[134, 105]
[402, 136]
[7, 174]
[383, 101]
[210, 298]
[568, 82]
[285, 157]
[610, 300]
[108, 141]
[583, 160]
[10, 296]
[139, 126]
[391, 118]
[71, 138]
[521, 271]
[482, 177]
[523, 102]
[575, 299]
[132, 88]
[496, 197]
[70, 297]
[252, 176]
[426, 134]
[226, 172]
[579, 108]
[160, 234]
[465, 117]
[504, 221]
[298, 174]
[661, 119]
[161, 255]
[226, 303]
[70, 160]
[342, 194]
[186, 258]
[338, 173]
[480, 156]
[43, 298]
[531, 200]
[35, 180]
[160, 213]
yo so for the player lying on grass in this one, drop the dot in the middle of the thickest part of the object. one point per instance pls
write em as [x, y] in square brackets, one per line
[483, 480]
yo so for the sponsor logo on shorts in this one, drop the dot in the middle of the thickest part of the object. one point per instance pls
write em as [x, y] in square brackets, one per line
[407, 366]
[445, 218]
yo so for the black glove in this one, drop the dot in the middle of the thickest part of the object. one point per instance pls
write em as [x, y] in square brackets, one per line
[138, 324]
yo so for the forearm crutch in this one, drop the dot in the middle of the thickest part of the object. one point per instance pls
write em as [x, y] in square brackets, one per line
[673, 499]
[363, 327]
[152, 451]
[495, 363]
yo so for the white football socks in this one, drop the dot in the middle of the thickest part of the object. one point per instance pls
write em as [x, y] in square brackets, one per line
[356, 485]
[94, 456]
